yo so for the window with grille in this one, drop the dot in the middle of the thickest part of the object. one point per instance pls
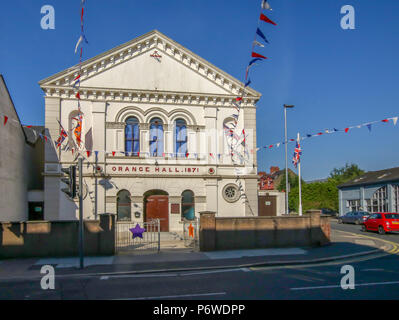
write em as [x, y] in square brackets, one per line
[354, 205]
[132, 137]
[187, 205]
[123, 203]
[180, 138]
[396, 198]
[156, 137]
[379, 201]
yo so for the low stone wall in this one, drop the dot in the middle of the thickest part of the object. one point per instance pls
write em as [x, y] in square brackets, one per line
[56, 238]
[220, 233]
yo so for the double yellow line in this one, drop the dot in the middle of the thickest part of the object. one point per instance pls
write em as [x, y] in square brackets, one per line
[393, 250]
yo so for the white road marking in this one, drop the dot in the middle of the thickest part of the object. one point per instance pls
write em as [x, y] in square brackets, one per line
[182, 274]
[177, 296]
[356, 285]
[74, 261]
[372, 270]
[230, 254]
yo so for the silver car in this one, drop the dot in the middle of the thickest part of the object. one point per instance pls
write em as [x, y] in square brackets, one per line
[356, 217]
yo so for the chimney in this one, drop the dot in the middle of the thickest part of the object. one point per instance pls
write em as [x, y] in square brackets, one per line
[274, 169]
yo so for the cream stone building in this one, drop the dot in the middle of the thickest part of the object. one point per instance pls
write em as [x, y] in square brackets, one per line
[153, 119]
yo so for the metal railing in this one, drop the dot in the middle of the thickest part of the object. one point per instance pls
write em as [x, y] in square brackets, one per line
[149, 243]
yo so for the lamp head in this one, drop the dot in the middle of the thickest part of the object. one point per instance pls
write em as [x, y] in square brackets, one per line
[289, 106]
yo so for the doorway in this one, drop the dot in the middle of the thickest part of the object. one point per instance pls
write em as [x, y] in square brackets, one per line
[267, 206]
[156, 206]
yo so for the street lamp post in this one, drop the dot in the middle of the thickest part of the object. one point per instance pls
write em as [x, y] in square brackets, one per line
[286, 158]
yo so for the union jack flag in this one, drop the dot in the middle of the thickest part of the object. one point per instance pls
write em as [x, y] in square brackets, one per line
[297, 154]
[61, 138]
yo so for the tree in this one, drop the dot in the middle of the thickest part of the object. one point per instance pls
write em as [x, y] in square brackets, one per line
[346, 173]
[319, 195]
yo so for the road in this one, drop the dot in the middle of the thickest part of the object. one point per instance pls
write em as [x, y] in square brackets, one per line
[394, 237]
[376, 277]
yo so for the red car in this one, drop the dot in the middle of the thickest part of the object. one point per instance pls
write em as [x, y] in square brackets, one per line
[382, 222]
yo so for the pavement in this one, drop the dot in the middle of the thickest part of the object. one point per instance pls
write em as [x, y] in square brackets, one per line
[344, 245]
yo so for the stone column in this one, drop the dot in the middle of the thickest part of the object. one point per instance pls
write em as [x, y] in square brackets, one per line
[51, 183]
[251, 190]
[211, 186]
[99, 143]
[211, 134]
[144, 138]
[207, 231]
[107, 235]
[175, 219]
[168, 139]
[250, 127]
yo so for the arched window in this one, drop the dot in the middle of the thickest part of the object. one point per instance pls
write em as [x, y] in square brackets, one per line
[187, 205]
[379, 201]
[132, 136]
[396, 198]
[180, 138]
[123, 203]
[156, 137]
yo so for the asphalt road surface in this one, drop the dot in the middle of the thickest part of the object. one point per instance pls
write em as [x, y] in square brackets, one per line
[375, 278]
[353, 228]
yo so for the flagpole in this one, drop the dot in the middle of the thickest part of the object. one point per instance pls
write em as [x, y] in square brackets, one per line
[299, 177]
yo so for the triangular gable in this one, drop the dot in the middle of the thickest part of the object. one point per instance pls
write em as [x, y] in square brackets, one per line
[131, 66]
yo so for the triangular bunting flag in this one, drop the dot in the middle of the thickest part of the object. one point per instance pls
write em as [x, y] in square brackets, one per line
[266, 19]
[395, 120]
[369, 127]
[346, 130]
[5, 120]
[260, 34]
[265, 5]
[257, 55]
[256, 43]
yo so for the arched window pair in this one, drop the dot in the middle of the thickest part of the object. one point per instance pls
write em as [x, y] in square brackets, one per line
[132, 137]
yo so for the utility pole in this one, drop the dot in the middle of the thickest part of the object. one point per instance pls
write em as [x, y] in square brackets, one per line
[81, 228]
[286, 158]
[299, 176]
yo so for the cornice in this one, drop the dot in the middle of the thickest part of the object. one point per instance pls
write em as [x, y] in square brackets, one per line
[146, 96]
[150, 41]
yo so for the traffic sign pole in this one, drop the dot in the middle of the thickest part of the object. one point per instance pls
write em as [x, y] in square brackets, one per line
[81, 229]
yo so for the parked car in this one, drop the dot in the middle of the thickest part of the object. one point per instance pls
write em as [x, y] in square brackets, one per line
[329, 212]
[356, 217]
[382, 222]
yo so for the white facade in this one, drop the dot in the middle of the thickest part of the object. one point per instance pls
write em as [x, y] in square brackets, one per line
[128, 81]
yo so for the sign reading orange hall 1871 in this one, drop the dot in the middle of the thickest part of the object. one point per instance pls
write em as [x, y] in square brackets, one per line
[126, 169]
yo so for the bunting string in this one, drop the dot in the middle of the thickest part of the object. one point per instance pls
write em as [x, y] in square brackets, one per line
[238, 147]
[368, 125]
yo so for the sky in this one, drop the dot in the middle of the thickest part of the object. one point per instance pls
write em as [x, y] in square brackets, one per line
[335, 78]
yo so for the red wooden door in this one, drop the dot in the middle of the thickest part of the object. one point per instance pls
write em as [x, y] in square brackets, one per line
[157, 207]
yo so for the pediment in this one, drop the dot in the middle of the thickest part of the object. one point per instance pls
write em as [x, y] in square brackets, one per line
[132, 66]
